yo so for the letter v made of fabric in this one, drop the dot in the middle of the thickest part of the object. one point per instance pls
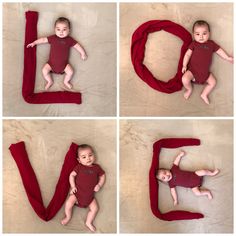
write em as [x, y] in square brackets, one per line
[31, 184]
[154, 185]
[139, 39]
[29, 74]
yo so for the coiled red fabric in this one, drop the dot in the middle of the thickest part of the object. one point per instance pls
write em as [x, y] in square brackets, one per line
[30, 71]
[31, 184]
[139, 40]
[154, 185]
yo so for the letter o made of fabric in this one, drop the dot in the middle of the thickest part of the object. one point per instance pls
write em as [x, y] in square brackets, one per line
[139, 40]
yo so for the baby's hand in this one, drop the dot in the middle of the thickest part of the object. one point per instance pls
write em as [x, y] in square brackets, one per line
[30, 45]
[184, 69]
[73, 190]
[84, 57]
[182, 153]
[97, 188]
[175, 203]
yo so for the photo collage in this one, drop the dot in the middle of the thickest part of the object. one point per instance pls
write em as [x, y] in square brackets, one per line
[145, 96]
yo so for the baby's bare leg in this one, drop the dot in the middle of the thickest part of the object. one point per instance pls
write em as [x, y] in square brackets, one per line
[199, 192]
[211, 83]
[69, 72]
[207, 172]
[70, 202]
[47, 76]
[186, 80]
[93, 209]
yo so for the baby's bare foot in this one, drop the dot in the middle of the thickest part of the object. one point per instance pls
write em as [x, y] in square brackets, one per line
[65, 221]
[187, 94]
[209, 195]
[68, 85]
[48, 85]
[215, 172]
[205, 99]
[91, 227]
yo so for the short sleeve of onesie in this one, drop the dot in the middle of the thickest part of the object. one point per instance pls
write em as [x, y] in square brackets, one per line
[71, 41]
[100, 171]
[191, 46]
[76, 169]
[215, 46]
[51, 39]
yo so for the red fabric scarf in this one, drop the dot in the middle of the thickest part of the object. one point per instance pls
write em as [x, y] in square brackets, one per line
[139, 40]
[30, 70]
[31, 184]
[153, 182]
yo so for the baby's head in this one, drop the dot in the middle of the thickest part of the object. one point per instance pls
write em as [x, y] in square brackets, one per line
[163, 175]
[86, 155]
[201, 31]
[62, 27]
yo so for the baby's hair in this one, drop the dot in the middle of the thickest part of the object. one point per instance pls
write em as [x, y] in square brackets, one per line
[201, 23]
[84, 146]
[62, 20]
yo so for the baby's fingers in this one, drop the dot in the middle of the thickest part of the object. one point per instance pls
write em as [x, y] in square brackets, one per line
[182, 152]
[97, 188]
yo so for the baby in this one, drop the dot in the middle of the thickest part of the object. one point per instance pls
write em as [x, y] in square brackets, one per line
[197, 60]
[59, 52]
[86, 179]
[177, 177]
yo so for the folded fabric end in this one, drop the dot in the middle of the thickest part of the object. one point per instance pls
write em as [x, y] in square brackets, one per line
[31, 13]
[16, 144]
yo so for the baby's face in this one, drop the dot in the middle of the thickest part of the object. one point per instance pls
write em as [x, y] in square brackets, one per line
[201, 33]
[86, 157]
[62, 30]
[165, 175]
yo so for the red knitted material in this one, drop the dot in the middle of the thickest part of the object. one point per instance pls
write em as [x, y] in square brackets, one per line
[153, 182]
[30, 70]
[31, 184]
[139, 40]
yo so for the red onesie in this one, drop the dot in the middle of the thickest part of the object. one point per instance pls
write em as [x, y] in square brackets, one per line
[201, 58]
[59, 52]
[85, 181]
[184, 178]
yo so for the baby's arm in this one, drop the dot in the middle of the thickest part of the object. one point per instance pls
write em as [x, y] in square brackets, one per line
[178, 158]
[186, 59]
[72, 182]
[224, 55]
[38, 41]
[174, 196]
[100, 183]
[82, 52]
